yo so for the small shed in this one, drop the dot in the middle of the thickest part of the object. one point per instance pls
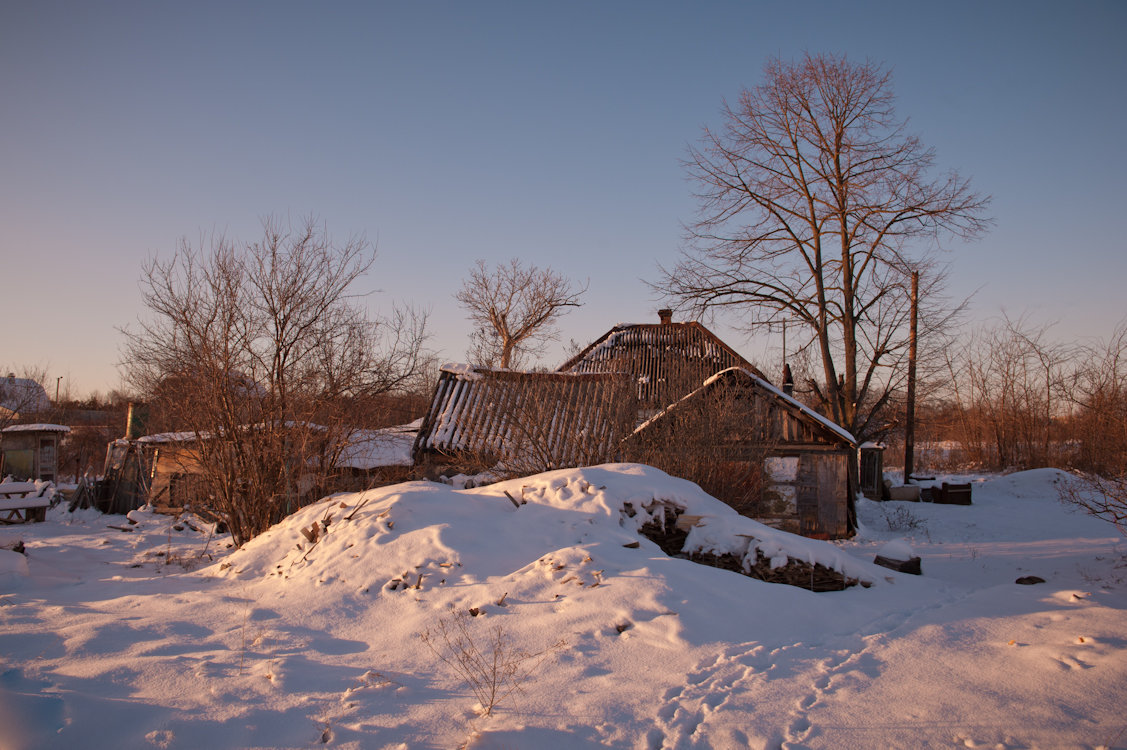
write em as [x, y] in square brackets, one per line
[31, 451]
[173, 478]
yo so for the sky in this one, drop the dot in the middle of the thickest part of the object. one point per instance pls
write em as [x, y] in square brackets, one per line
[450, 132]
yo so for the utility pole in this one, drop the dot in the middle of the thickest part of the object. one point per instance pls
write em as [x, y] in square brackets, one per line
[910, 416]
[57, 381]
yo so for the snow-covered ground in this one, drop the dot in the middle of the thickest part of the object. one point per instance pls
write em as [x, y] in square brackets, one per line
[136, 639]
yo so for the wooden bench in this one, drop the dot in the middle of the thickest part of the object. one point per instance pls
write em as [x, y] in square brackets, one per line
[23, 502]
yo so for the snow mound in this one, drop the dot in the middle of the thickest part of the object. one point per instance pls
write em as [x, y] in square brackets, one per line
[1031, 484]
[419, 534]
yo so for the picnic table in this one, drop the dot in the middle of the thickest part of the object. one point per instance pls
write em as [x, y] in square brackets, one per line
[23, 502]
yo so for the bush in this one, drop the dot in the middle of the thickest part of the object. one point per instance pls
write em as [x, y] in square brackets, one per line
[495, 668]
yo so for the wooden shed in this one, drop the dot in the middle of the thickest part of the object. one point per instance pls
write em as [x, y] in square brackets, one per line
[31, 451]
[164, 469]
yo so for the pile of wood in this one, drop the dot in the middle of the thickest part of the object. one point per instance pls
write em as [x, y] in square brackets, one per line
[666, 533]
[669, 532]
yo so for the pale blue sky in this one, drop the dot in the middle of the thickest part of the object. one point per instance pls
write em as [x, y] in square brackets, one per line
[448, 132]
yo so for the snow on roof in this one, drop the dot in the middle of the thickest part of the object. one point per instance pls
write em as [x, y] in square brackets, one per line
[461, 371]
[389, 446]
[39, 427]
[162, 438]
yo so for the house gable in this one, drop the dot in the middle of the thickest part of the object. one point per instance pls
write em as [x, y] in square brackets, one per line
[667, 360]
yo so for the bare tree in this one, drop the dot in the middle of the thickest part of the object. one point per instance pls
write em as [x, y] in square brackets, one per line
[514, 309]
[1008, 381]
[260, 352]
[811, 197]
[1096, 388]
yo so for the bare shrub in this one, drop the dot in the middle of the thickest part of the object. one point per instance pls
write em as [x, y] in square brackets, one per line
[1097, 389]
[900, 518]
[260, 354]
[492, 664]
[720, 441]
[1102, 497]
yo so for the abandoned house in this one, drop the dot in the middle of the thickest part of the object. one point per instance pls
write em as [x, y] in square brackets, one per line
[668, 394]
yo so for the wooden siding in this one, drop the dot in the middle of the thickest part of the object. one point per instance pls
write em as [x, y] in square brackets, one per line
[736, 424]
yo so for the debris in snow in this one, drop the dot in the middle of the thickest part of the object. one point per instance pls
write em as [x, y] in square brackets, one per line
[752, 557]
[912, 565]
[1029, 580]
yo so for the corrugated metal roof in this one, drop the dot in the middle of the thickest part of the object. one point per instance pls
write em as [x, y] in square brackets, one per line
[555, 420]
[666, 360]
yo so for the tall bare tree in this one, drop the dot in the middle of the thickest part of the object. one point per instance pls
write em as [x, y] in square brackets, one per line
[812, 202]
[514, 309]
[261, 352]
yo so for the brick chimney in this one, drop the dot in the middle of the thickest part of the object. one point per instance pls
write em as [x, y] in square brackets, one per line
[665, 316]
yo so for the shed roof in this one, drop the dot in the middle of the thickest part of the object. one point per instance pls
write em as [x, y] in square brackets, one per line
[40, 427]
[494, 412]
[388, 446]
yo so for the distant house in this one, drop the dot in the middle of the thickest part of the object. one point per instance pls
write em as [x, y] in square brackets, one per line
[20, 398]
[669, 394]
[164, 470]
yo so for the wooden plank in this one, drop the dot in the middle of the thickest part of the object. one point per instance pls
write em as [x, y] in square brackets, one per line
[686, 522]
[833, 494]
